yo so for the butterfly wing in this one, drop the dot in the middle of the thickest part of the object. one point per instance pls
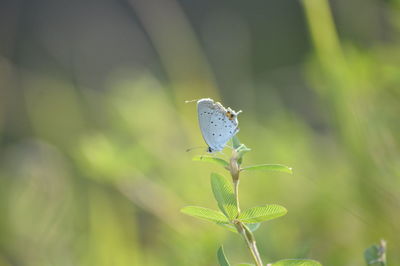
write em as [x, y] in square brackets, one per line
[205, 110]
[215, 126]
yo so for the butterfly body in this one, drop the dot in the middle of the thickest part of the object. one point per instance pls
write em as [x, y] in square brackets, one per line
[217, 123]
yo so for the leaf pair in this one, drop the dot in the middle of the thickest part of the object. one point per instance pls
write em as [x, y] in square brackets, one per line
[225, 164]
[223, 193]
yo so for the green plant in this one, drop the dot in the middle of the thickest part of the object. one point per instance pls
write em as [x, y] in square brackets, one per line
[230, 216]
[376, 254]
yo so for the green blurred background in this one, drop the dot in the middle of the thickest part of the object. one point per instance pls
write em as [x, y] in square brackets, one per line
[93, 127]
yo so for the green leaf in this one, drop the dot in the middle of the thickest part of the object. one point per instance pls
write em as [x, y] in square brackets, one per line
[230, 227]
[376, 254]
[253, 227]
[204, 213]
[245, 264]
[262, 213]
[223, 261]
[296, 262]
[242, 149]
[211, 159]
[269, 167]
[223, 193]
[235, 142]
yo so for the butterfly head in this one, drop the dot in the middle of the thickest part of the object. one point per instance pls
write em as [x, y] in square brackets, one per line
[231, 114]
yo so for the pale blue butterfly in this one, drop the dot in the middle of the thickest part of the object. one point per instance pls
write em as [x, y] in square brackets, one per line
[217, 123]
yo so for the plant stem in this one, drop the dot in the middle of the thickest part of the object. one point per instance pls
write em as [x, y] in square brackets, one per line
[250, 242]
[247, 235]
[236, 191]
[256, 256]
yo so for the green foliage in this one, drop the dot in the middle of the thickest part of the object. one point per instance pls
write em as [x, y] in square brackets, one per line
[262, 213]
[204, 213]
[247, 221]
[223, 261]
[70, 126]
[268, 167]
[251, 226]
[376, 254]
[242, 150]
[211, 159]
[235, 142]
[296, 262]
[229, 227]
[223, 193]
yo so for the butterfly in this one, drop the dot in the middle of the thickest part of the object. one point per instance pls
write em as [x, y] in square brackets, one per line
[217, 123]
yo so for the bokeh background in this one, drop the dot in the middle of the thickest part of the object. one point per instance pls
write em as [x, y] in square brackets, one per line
[94, 128]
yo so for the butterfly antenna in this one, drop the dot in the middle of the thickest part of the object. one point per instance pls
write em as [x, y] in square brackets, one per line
[195, 100]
